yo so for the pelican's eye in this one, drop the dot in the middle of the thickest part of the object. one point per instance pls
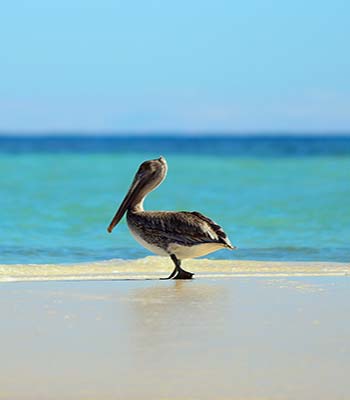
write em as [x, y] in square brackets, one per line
[148, 167]
[143, 167]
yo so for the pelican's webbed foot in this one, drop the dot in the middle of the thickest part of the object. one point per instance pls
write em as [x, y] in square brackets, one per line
[178, 272]
[171, 276]
[182, 274]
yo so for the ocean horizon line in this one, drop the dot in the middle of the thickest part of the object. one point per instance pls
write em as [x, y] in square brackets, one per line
[229, 145]
[171, 134]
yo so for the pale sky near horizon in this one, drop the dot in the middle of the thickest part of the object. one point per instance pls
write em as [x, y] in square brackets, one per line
[184, 66]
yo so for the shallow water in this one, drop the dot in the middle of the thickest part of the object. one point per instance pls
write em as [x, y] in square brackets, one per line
[276, 199]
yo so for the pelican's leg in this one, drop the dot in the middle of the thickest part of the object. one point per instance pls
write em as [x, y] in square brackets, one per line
[178, 272]
[181, 273]
[174, 271]
[176, 261]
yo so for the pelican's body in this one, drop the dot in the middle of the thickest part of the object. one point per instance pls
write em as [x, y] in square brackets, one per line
[178, 235]
[185, 234]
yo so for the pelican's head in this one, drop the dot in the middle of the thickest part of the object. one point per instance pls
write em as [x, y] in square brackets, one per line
[149, 175]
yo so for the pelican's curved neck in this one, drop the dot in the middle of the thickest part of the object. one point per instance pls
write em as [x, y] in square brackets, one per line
[141, 191]
[137, 205]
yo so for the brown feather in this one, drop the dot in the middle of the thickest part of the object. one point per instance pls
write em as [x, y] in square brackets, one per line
[185, 228]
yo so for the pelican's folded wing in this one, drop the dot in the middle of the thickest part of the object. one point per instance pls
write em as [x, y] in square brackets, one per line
[186, 228]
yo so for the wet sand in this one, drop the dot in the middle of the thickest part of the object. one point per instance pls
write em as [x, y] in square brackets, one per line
[244, 338]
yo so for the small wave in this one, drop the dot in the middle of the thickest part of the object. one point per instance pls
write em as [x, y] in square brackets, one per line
[156, 267]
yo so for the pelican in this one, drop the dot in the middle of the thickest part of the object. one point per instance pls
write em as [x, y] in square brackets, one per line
[178, 235]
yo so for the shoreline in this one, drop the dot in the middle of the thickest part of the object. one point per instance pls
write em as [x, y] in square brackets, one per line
[154, 267]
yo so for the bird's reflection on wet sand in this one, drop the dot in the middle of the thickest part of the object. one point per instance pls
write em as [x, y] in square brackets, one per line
[169, 315]
[171, 329]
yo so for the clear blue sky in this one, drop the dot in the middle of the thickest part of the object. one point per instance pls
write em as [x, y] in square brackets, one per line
[190, 66]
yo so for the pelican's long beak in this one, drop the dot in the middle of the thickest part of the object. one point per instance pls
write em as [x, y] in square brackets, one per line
[135, 188]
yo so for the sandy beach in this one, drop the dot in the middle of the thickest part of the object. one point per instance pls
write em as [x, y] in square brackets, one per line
[252, 338]
[144, 143]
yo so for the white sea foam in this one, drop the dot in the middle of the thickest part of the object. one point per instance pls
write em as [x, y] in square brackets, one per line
[156, 267]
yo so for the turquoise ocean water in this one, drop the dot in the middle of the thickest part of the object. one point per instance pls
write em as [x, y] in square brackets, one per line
[276, 198]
